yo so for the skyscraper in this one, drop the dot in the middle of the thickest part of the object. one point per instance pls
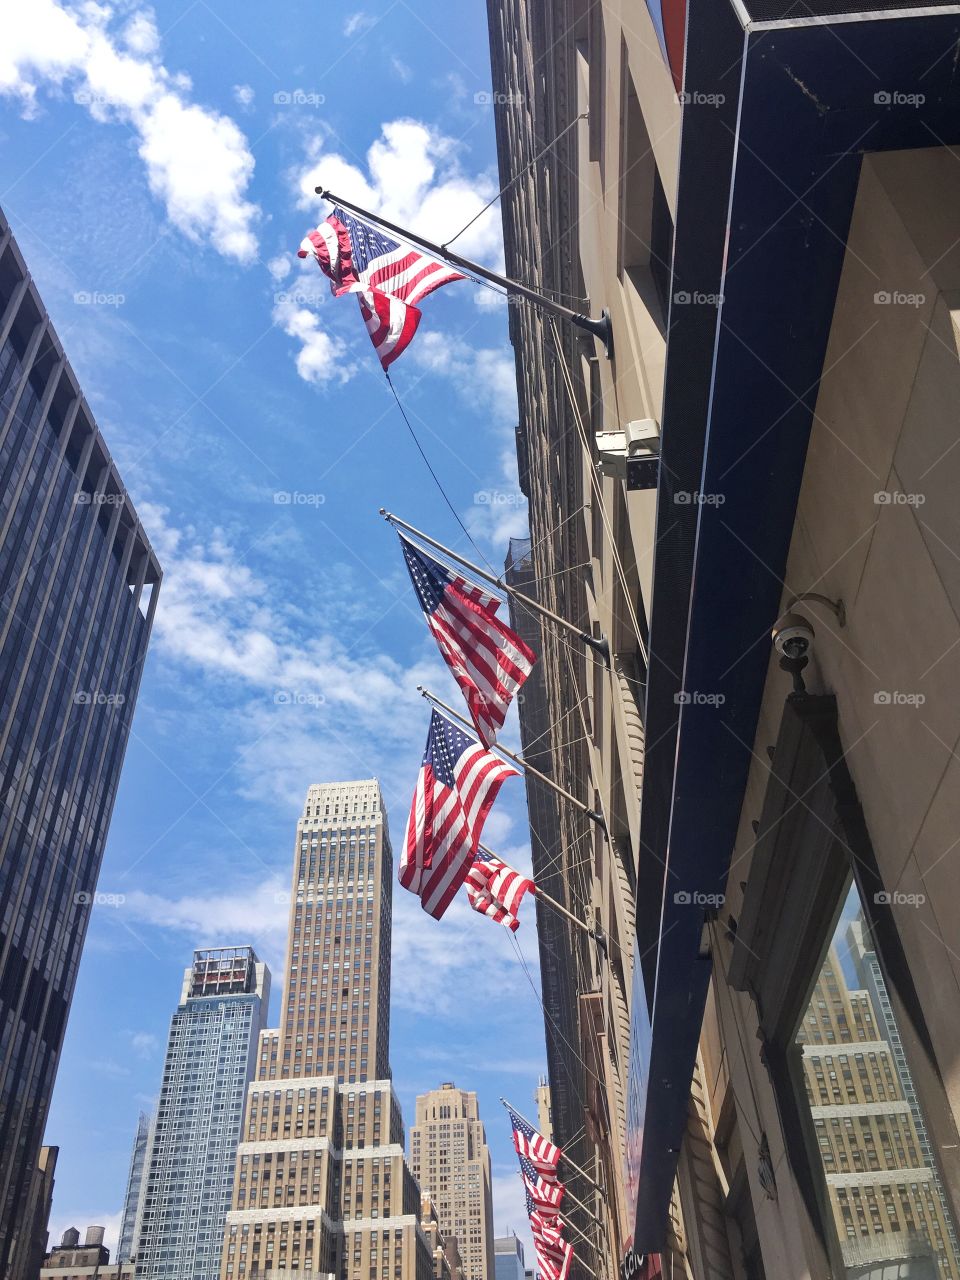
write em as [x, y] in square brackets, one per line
[321, 1180]
[132, 1200]
[508, 1258]
[450, 1159]
[189, 1169]
[886, 1195]
[78, 589]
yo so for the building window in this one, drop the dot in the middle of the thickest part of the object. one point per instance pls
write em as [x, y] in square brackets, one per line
[887, 1202]
[864, 1152]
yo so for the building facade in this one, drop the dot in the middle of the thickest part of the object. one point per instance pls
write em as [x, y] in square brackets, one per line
[71, 1260]
[78, 586]
[450, 1159]
[749, 499]
[322, 1185]
[188, 1167]
[508, 1258]
[34, 1229]
[133, 1197]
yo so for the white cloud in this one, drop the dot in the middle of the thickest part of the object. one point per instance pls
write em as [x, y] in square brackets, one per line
[280, 267]
[244, 94]
[305, 697]
[321, 357]
[401, 70]
[484, 376]
[144, 1043]
[82, 1218]
[197, 161]
[413, 177]
[140, 34]
[257, 912]
[510, 1209]
[357, 23]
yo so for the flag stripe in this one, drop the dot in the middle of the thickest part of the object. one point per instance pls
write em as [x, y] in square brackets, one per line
[488, 660]
[458, 783]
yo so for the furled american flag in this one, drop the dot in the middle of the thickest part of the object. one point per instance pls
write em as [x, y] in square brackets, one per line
[554, 1255]
[546, 1197]
[542, 1154]
[389, 278]
[456, 787]
[489, 661]
[496, 890]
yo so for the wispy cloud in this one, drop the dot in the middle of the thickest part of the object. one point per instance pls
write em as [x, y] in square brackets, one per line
[358, 23]
[197, 161]
[414, 176]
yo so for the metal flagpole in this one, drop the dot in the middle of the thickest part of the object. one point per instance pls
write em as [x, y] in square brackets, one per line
[546, 899]
[584, 808]
[563, 1156]
[600, 646]
[601, 328]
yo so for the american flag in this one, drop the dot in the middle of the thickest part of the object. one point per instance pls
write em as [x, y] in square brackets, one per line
[456, 787]
[489, 661]
[553, 1252]
[541, 1153]
[549, 1229]
[553, 1257]
[545, 1197]
[388, 277]
[496, 890]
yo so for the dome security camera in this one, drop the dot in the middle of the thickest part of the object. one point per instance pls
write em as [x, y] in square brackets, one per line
[793, 637]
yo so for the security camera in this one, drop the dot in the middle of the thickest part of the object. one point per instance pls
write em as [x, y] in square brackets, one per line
[793, 637]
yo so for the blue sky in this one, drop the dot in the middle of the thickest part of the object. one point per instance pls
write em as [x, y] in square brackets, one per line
[158, 169]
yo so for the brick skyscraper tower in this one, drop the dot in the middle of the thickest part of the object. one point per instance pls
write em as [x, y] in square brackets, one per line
[451, 1161]
[321, 1181]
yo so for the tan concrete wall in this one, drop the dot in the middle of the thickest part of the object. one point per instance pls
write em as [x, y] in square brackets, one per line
[887, 422]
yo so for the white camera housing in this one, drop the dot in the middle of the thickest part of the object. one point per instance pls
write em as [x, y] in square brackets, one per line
[793, 636]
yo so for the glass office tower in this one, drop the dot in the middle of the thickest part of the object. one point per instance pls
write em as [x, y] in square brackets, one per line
[78, 589]
[188, 1173]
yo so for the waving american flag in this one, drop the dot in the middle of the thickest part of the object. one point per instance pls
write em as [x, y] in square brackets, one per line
[389, 278]
[496, 890]
[554, 1254]
[456, 787]
[489, 661]
[542, 1154]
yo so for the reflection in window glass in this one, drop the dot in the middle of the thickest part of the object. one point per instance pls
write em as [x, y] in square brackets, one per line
[889, 1206]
